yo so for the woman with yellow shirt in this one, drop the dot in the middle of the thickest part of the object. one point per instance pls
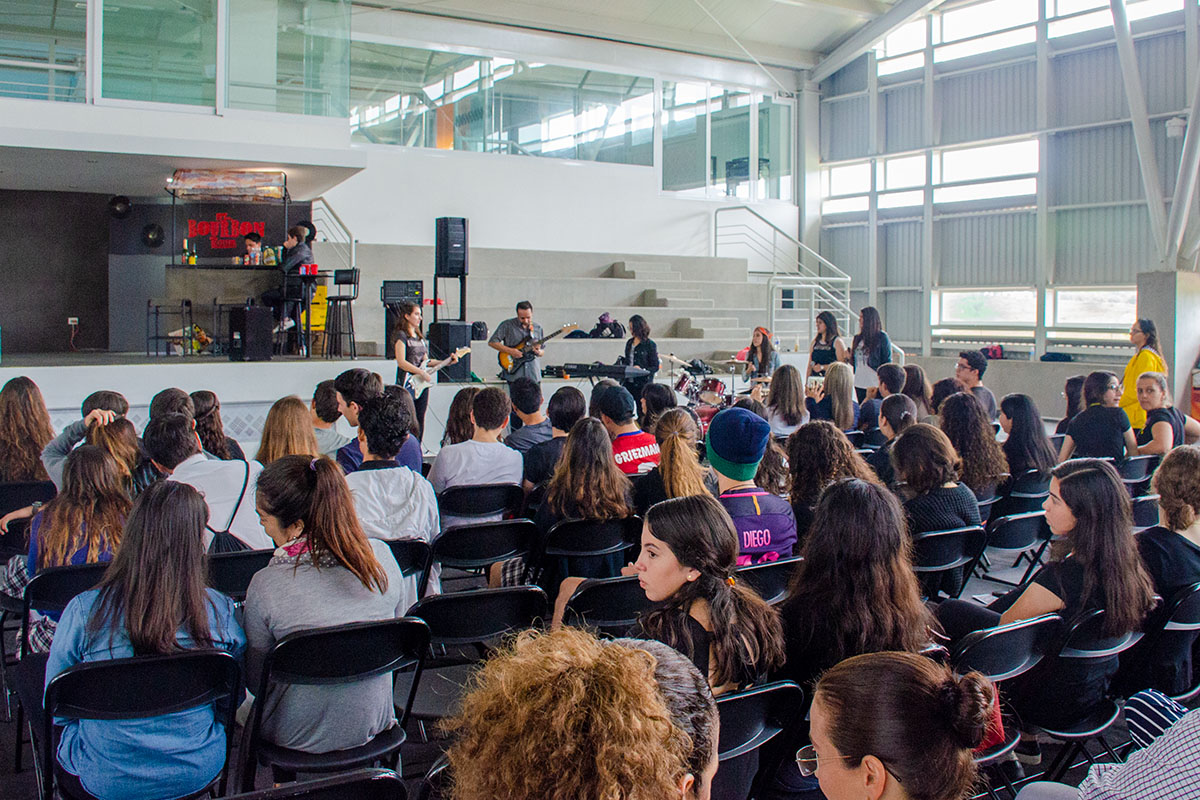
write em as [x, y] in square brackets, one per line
[1144, 335]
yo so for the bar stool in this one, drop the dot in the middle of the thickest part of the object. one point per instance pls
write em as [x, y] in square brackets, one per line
[337, 303]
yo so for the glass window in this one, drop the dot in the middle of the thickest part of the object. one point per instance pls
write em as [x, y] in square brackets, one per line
[994, 15]
[1106, 308]
[991, 161]
[985, 191]
[1103, 17]
[160, 50]
[845, 205]
[905, 39]
[774, 148]
[731, 144]
[901, 199]
[984, 44]
[848, 179]
[901, 173]
[42, 50]
[684, 126]
[291, 56]
[988, 307]
[893, 65]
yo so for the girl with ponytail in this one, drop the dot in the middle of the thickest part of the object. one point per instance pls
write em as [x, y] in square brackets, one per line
[678, 473]
[686, 566]
[324, 572]
[897, 413]
[896, 725]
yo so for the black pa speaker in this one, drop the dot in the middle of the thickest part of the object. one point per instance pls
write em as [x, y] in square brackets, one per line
[250, 333]
[446, 336]
[450, 260]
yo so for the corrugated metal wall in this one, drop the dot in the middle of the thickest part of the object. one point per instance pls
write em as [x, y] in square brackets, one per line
[1092, 162]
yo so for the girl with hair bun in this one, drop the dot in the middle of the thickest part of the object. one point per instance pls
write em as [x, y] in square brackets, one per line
[686, 566]
[897, 413]
[324, 572]
[896, 725]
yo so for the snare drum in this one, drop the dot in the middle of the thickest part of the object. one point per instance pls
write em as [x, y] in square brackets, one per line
[684, 383]
[712, 391]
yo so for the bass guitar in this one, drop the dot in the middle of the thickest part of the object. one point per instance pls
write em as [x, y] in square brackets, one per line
[510, 364]
[419, 384]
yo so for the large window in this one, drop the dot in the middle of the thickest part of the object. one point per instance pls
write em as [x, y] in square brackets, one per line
[160, 50]
[425, 98]
[985, 307]
[982, 173]
[42, 50]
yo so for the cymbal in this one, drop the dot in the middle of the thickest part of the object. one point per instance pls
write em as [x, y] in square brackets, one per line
[671, 357]
[733, 361]
[760, 380]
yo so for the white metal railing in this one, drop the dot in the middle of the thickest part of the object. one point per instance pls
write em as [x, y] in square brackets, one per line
[802, 282]
[331, 230]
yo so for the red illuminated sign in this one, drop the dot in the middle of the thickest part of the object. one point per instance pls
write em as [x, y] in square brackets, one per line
[224, 232]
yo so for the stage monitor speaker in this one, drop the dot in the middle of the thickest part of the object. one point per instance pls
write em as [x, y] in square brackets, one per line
[446, 336]
[450, 259]
[250, 336]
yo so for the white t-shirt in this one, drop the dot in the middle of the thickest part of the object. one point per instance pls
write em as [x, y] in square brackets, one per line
[473, 463]
[779, 427]
[864, 376]
[220, 482]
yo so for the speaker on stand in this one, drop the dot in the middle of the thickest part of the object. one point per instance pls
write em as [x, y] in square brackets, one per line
[445, 337]
[450, 259]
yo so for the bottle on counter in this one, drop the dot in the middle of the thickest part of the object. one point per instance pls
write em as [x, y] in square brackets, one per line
[183, 259]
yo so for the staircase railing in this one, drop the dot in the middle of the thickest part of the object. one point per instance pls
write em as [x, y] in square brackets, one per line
[334, 233]
[802, 282]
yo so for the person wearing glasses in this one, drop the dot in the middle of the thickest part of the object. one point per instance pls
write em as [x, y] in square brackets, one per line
[1102, 430]
[925, 721]
[1143, 334]
[969, 369]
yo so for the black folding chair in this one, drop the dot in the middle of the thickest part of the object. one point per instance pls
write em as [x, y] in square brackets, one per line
[1056, 442]
[858, 439]
[1023, 533]
[1145, 512]
[483, 500]
[49, 591]
[16, 495]
[1163, 659]
[1000, 653]
[476, 546]
[1136, 473]
[463, 627]
[336, 655]
[610, 606]
[749, 719]
[434, 783]
[230, 573]
[937, 554]
[770, 579]
[588, 544]
[140, 688]
[361, 784]
[412, 555]
[874, 439]
[1086, 641]
[1026, 492]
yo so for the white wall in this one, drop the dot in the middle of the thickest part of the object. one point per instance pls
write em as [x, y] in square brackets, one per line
[526, 202]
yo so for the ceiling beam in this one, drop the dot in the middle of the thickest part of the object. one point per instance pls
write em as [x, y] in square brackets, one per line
[869, 35]
[864, 9]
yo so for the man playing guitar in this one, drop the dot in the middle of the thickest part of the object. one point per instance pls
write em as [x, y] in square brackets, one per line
[511, 333]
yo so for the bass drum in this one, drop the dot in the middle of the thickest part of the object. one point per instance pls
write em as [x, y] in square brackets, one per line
[712, 392]
[705, 412]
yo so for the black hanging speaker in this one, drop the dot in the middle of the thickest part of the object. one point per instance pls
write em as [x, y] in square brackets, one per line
[450, 260]
[152, 235]
[250, 333]
[120, 206]
[446, 336]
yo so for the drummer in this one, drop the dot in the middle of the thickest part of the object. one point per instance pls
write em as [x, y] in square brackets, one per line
[762, 360]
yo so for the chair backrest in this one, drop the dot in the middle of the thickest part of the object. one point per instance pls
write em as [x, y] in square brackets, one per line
[346, 277]
[20, 495]
[1056, 441]
[985, 506]
[1016, 531]
[361, 784]
[412, 555]
[230, 573]
[52, 588]
[480, 544]
[483, 500]
[750, 719]
[346, 653]
[1029, 483]
[1085, 638]
[479, 616]
[939, 551]
[609, 605]
[591, 538]
[1006, 651]
[857, 438]
[770, 579]
[1137, 468]
[1161, 660]
[1145, 511]
[874, 438]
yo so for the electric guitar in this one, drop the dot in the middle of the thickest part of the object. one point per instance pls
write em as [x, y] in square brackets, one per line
[419, 384]
[510, 364]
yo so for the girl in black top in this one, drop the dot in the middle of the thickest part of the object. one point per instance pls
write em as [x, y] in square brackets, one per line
[1101, 430]
[687, 567]
[1027, 446]
[828, 346]
[1073, 392]
[412, 352]
[1166, 426]
[927, 463]
[1094, 565]
[640, 351]
[897, 413]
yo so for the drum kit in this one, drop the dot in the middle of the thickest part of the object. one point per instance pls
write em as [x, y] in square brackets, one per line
[704, 392]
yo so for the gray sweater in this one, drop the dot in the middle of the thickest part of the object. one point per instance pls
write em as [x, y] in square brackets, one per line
[283, 599]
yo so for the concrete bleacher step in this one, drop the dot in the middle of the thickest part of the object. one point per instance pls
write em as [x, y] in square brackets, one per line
[708, 327]
[662, 320]
[645, 271]
[598, 293]
[586, 351]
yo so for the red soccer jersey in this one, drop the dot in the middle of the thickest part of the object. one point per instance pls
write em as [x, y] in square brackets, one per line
[635, 452]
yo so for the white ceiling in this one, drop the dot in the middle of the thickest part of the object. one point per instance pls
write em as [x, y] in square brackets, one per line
[779, 32]
[36, 169]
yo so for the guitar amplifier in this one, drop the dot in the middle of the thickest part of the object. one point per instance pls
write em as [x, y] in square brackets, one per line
[393, 294]
[446, 336]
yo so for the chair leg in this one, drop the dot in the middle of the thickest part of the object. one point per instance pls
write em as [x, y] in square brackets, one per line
[1035, 561]
[350, 328]
[1108, 749]
[17, 734]
[1062, 763]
